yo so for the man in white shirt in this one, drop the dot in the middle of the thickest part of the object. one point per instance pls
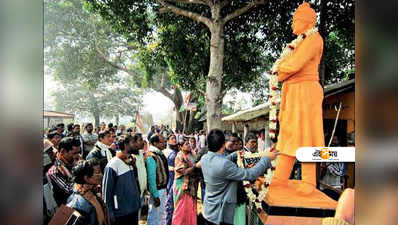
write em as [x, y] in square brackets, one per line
[202, 139]
[261, 142]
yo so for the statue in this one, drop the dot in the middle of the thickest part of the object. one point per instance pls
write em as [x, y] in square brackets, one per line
[300, 115]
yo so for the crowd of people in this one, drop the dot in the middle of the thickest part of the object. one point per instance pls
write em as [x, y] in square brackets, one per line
[109, 174]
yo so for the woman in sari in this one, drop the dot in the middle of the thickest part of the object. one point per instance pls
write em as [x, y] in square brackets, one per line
[185, 187]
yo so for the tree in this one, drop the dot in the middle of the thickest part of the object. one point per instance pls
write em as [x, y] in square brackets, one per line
[72, 54]
[213, 21]
[105, 101]
[80, 45]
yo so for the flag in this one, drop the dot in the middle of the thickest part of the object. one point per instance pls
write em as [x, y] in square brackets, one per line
[138, 120]
[187, 98]
[185, 106]
[192, 107]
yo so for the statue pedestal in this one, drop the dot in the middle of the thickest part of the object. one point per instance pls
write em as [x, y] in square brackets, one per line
[282, 202]
[288, 220]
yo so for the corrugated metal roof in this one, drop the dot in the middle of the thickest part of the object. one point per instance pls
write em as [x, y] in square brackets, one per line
[339, 87]
[263, 109]
[248, 114]
[57, 114]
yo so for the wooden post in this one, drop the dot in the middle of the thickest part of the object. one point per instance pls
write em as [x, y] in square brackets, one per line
[266, 134]
[245, 131]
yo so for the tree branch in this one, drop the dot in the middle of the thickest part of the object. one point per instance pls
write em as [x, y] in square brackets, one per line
[185, 13]
[103, 57]
[200, 2]
[242, 10]
[164, 92]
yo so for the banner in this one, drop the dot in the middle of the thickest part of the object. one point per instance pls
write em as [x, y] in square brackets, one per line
[326, 154]
[138, 120]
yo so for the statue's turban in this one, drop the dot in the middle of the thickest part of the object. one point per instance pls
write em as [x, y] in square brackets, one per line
[306, 13]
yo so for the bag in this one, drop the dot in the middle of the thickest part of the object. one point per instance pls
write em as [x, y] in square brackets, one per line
[66, 216]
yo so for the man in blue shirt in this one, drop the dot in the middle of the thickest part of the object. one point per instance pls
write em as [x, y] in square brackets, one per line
[221, 176]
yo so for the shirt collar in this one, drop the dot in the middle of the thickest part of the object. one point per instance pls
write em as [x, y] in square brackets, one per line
[102, 145]
[154, 149]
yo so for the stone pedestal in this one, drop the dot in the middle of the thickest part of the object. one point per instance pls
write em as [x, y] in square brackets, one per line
[290, 207]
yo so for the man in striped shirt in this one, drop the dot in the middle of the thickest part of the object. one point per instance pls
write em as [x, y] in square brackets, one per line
[60, 173]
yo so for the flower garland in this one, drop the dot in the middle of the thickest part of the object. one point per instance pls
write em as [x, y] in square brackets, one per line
[263, 187]
[273, 81]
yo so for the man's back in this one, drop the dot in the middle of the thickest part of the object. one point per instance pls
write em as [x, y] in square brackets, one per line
[202, 141]
[221, 176]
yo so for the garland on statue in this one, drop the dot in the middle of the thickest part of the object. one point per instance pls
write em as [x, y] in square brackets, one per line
[273, 81]
[262, 189]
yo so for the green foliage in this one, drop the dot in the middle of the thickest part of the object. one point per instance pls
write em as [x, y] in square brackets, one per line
[89, 85]
[252, 41]
[70, 44]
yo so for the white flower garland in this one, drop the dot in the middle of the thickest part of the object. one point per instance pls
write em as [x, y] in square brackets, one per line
[273, 81]
[273, 100]
[262, 192]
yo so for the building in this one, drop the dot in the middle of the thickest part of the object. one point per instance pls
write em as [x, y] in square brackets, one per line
[52, 118]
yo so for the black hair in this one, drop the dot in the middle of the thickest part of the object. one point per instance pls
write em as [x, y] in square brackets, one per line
[82, 168]
[228, 137]
[240, 139]
[182, 141]
[52, 134]
[111, 130]
[52, 129]
[76, 142]
[94, 161]
[250, 136]
[215, 140]
[76, 125]
[125, 139]
[89, 124]
[136, 136]
[155, 138]
[110, 125]
[102, 134]
[171, 135]
[129, 129]
[67, 143]
[69, 127]
[60, 125]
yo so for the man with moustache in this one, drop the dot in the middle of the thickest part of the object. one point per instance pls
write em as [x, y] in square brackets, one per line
[120, 186]
[60, 173]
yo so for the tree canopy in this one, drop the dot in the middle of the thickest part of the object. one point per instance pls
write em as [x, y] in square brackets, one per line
[179, 33]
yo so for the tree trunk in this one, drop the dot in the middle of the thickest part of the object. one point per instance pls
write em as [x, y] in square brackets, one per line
[187, 114]
[323, 33]
[117, 119]
[178, 100]
[214, 78]
[96, 119]
[190, 121]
